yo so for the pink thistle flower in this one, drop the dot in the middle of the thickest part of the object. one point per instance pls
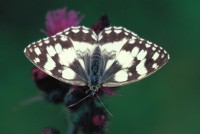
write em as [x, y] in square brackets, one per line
[102, 23]
[110, 91]
[61, 19]
[99, 120]
[91, 116]
[38, 74]
[50, 131]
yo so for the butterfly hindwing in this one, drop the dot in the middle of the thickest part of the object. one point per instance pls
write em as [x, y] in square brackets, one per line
[128, 58]
[65, 55]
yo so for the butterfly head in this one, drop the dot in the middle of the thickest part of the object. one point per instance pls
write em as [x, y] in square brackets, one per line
[94, 83]
[94, 88]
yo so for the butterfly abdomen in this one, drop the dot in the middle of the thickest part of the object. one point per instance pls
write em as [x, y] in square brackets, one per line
[95, 66]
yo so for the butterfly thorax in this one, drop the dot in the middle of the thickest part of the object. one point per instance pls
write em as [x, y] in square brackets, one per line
[95, 69]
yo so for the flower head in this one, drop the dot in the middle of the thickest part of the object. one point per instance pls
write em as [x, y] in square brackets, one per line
[102, 23]
[61, 19]
[53, 90]
[99, 119]
[37, 74]
[90, 116]
[50, 131]
[110, 91]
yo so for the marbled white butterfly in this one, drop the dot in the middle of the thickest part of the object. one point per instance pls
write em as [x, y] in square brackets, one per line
[114, 57]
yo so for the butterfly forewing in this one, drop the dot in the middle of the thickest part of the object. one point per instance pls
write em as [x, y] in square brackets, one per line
[127, 57]
[64, 56]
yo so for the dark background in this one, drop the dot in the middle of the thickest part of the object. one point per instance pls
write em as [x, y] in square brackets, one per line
[167, 102]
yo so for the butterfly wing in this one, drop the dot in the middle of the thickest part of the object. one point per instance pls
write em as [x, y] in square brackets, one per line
[64, 56]
[127, 57]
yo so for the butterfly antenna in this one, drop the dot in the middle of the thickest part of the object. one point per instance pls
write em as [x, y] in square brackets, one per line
[28, 102]
[105, 106]
[70, 91]
[79, 101]
[87, 91]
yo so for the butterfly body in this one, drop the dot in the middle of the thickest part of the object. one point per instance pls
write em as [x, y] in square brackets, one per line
[95, 68]
[80, 57]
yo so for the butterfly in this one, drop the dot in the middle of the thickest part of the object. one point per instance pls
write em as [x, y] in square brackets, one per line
[115, 57]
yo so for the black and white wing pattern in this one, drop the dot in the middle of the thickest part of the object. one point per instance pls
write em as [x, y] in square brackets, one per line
[127, 57]
[66, 55]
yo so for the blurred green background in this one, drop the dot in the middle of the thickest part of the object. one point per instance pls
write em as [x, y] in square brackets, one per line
[167, 102]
